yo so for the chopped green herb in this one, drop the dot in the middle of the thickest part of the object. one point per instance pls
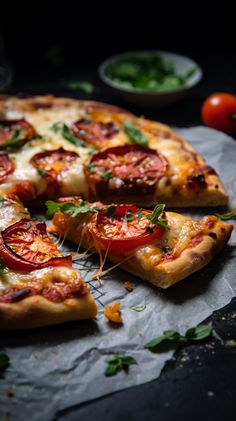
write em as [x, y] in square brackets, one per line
[171, 339]
[134, 134]
[69, 208]
[1, 201]
[156, 217]
[82, 86]
[91, 168]
[138, 308]
[41, 171]
[15, 141]
[117, 363]
[227, 216]
[147, 71]
[37, 136]
[106, 175]
[28, 225]
[3, 270]
[4, 361]
[111, 211]
[65, 131]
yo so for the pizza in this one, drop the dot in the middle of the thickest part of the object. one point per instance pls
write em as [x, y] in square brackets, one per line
[95, 165]
[157, 246]
[38, 286]
[54, 147]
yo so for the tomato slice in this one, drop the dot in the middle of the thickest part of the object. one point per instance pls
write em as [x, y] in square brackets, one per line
[15, 133]
[25, 246]
[131, 168]
[125, 230]
[51, 164]
[94, 132]
[7, 167]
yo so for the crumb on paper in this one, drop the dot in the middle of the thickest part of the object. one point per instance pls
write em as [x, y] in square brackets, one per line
[231, 343]
[113, 314]
[210, 393]
[129, 286]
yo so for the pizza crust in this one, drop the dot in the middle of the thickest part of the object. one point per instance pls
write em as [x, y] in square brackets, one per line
[37, 311]
[190, 260]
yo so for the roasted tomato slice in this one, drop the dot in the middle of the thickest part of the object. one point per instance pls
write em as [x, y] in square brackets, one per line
[130, 168]
[51, 164]
[124, 229]
[25, 246]
[94, 132]
[15, 133]
[7, 167]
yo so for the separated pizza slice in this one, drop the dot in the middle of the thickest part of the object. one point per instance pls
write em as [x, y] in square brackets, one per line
[157, 246]
[54, 147]
[38, 286]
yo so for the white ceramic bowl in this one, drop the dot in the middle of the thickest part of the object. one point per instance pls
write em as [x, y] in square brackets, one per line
[149, 98]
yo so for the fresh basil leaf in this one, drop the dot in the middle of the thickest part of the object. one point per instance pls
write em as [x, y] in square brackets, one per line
[138, 308]
[4, 361]
[169, 340]
[227, 216]
[117, 363]
[41, 171]
[3, 270]
[199, 332]
[106, 175]
[65, 131]
[28, 225]
[82, 86]
[15, 141]
[69, 208]
[134, 134]
[156, 218]
[110, 211]
[91, 168]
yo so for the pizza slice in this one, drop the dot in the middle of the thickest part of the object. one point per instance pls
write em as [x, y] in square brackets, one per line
[157, 246]
[38, 286]
[54, 147]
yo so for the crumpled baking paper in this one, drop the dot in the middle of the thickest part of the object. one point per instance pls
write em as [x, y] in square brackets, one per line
[61, 366]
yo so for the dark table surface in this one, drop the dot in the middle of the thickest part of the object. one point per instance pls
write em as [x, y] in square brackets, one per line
[199, 381]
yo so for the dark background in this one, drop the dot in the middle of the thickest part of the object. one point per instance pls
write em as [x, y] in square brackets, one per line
[49, 48]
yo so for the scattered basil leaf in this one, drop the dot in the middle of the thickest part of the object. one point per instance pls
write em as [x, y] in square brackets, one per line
[4, 361]
[3, 270]
[106, 175]
[199, 332]
[156, 218]
[91, 168]
[1, 201]
[227, 216]
[65, 131]
[138, 308]
[134, 134]
[111, 211]
[69, 208]
[15, 141]
[28, 225]
[41, 171]
[82, 86]
[171, 339]
[117, 363]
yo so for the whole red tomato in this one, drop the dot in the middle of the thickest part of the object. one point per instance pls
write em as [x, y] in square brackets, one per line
[219, 111]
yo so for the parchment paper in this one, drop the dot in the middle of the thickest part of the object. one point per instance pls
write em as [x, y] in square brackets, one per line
[61, 366]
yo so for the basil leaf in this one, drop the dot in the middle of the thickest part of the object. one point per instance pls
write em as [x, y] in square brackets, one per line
[106, 175]
[3, 270]
[65, 131]
[82, 86]
[138, 308]
[117, 363]
[41, 171]
[135, 135]
[156, 218]
[91, 168]
[4, 361]
[169, 340]
[15, 141]
[69, 208]
[199, 332]
[227, 216]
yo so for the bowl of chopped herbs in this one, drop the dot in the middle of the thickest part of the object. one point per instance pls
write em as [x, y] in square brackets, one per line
[150, 78]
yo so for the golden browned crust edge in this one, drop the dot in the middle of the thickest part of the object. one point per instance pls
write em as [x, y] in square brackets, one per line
[170, 272]
[191, 260]
[37, 311]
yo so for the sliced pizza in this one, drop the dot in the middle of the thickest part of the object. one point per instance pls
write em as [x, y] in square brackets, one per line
[38, 286]
[54, 147]
[157, 246]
